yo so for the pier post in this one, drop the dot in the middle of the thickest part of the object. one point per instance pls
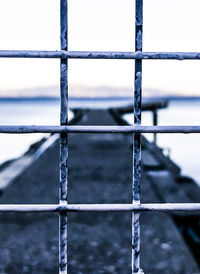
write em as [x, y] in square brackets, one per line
[155, 123]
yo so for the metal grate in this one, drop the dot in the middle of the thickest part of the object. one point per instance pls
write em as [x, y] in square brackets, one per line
[136, 207]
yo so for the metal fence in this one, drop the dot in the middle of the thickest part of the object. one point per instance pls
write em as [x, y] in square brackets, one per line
[136, 207]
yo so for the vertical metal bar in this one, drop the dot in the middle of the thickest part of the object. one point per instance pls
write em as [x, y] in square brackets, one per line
[63, 137]
[137, 139]
[155, 122]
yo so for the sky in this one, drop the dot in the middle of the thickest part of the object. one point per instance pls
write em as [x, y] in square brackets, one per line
[100, 25]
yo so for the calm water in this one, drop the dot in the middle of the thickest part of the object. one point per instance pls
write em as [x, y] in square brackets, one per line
[25, 112]
[184, 148]
[37, 112]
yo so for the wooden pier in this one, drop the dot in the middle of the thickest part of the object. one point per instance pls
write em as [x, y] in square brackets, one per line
[100, 171]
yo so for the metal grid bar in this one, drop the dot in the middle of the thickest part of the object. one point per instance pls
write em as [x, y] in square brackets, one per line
[65, 207]
[63, 138]
[100, 129]
[137, 138]
[64, 54]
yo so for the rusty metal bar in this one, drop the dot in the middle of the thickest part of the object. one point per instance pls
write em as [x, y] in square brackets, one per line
[64, 54]
[137, 138]
[63, 138]
[166, 207]
[100, 129]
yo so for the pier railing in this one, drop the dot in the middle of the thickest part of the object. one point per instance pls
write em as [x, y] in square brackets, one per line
[149, 105]
[136, 207]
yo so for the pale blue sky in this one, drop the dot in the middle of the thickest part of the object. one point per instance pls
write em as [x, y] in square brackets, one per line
[169, 25]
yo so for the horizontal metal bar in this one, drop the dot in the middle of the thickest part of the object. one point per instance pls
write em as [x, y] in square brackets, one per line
[99, 54]
[99, 207]
[99, 129]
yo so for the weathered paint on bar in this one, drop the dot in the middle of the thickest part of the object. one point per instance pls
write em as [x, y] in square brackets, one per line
[64, 54]
[99, 129]
[137, 138]
[166, 207]
[63, 137]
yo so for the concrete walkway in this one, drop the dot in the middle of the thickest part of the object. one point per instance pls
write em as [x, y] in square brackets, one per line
[100, 171]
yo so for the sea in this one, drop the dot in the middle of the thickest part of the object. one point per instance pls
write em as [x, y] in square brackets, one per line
[183, 149]
[24, 112]
[38, 111]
